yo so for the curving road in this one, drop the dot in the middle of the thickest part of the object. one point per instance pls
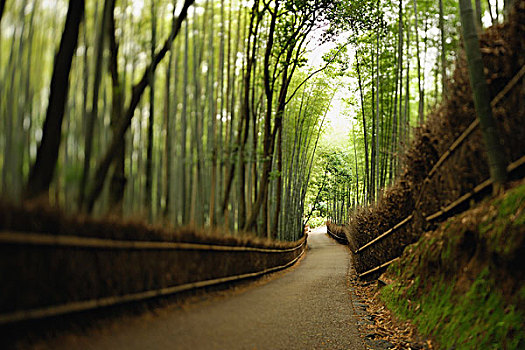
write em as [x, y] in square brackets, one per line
[308, 307]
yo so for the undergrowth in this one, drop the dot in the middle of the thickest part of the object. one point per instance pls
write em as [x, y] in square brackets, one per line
[478, 319]
[462, 284]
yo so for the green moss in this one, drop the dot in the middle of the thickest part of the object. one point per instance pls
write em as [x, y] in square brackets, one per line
[511, 202]
[476, 320]
[414, 286]
[425, 290]
[520, 220]
[521, 294]
[449, 248]
[434, 309]
[394, 270]
[506, 223]
[392, 296]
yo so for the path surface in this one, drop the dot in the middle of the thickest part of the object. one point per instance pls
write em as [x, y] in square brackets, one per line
[306, 308]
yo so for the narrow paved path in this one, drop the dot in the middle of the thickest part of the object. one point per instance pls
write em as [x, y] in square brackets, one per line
[307, 308]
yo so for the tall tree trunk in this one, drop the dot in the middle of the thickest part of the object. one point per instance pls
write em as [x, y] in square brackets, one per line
[248, 222]
[397, 98]
[198, 163]
[279, 185]
[118, 178]
[387, 132]
[489, 6]
[230, 105]
[138, 91]
[222, 129]
[495, 151]
[479, 14]
[107, 11]
[367, 173]
[406, 113]
[425, 51]
[212, 123]
[378, 116]
[421, 105]
[245, 111]
[184, 130]
[13, 113]
[507, 6]
[42, 171]
[148, 205]
[169, 116]
[269, 135]
[443, 50]
[373, 152]
[356, 168]
[400, 135]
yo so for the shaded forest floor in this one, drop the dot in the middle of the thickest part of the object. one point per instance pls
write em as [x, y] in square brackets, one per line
[380, 327]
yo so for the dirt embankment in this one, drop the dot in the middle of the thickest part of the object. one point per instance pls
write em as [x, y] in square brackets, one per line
[462, 284]
[503, 48]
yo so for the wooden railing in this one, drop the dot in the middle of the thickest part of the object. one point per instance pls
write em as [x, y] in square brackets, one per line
[173, 267]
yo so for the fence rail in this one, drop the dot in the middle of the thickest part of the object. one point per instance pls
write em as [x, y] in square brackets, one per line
[479, 188]
[342, 240]
[377, 268]
[385, 234]
[265, 260]
[22, 238]
[67, 308]
[468, 131]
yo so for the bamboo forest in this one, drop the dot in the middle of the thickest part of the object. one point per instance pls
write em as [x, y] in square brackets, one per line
[219, 111]
[170, 148]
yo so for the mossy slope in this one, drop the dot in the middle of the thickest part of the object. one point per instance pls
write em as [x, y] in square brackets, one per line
[463, 283]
